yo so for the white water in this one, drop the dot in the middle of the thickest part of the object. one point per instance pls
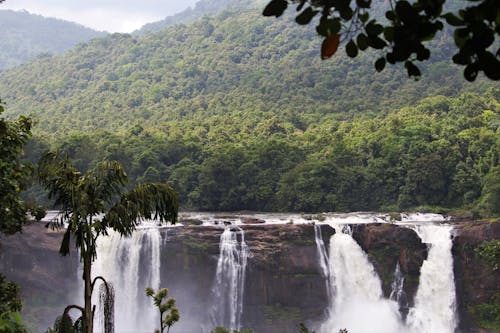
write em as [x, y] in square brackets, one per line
[356, 300]
[398, 280]
[119, 261]
[229, 286]
[359, 305]
[322, 258]
[435, 301]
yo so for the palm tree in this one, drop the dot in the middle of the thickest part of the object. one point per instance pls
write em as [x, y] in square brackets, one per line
[96, 201]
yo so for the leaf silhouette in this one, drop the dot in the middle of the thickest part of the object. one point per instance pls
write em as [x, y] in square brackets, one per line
[330, 46]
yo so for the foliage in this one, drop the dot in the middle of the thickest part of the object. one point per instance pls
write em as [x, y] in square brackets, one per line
[214, 71]
[9, 296]
[95, 201]
[13, 173]
[10, 306]
[487, 315]
[490, 193]
[437, 152]
[304, 329]
[236, 113]
[10, 322]
[169, 313]
[489, 251]
[405, 29]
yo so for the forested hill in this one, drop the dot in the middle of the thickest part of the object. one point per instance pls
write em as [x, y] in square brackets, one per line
[26, 36]
[233, 64]
[239, 112]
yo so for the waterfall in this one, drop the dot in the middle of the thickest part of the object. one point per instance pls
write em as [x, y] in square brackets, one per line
[229, 284]
[131, 264]
[358, 303]
[322, 258]
[435, 301]
[397, 292]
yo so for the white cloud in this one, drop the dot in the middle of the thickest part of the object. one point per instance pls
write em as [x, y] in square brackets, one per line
[109, 15]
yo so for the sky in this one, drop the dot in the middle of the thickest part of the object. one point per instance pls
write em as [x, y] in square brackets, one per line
[103, 15]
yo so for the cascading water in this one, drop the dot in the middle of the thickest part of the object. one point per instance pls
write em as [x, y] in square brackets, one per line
[229, 284]
[322, 257]
[397, 292]
[358, 303]
[131, 264]
[435, 301]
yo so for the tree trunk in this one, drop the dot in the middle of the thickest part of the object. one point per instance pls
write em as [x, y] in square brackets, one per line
[89, 316]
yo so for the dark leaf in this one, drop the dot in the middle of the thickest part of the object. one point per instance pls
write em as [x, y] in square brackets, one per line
[363, 3]
[306, 16]
[390, 15]
[362, 42]
[389, 33]
[491, 66]
[373, 29]
[470, 72]
[413, 70]
[376, 42]
[453, 20]
[351, 49]
[275, 8]
[380, 64]
[301, 5]
[364, 17]
[64, 249]
[328, 27]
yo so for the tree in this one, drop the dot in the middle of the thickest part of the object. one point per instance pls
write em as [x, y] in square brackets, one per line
[409, 25]
[13, 173]
[166, 306]
[94, 202]
[10, 306]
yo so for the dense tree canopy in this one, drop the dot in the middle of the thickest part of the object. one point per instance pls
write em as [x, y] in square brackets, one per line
[237, 112]
[13, 173]
[402, 34]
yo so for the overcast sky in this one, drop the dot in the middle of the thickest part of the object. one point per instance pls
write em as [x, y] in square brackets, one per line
[108, 15]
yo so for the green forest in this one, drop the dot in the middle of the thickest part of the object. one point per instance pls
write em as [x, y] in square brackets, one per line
[238, 112]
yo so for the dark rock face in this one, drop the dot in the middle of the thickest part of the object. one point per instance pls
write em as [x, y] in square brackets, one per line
[48, 281]
[283, 286]
[476, 283]
[387, 245]
[284, 283]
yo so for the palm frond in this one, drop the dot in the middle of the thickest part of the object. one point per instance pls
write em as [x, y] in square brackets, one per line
[64, 249]
[146, 201]
[105, 182]
[58, 176]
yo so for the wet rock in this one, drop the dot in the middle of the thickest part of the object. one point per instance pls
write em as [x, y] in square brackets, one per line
[476, 282]
[387, 245]
[188, 221]
[251, 220]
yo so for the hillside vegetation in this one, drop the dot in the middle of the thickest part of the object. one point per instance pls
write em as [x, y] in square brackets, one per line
[26, 36]
[239, 112]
